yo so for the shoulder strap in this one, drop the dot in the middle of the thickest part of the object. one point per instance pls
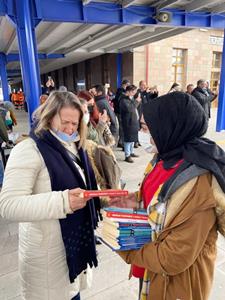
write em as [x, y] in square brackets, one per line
[184, 173]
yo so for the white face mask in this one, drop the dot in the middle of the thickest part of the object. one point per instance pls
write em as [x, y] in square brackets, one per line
[86, 118]
[144, 140]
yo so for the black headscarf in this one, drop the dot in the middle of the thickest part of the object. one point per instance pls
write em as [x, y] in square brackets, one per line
[177, 123]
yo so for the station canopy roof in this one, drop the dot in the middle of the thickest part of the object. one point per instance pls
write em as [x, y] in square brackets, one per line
[83, 40]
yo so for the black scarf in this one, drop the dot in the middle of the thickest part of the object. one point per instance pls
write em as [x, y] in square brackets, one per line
[78, 228]
[177, 123]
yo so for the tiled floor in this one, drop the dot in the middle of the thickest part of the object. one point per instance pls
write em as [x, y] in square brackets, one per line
[110, 280]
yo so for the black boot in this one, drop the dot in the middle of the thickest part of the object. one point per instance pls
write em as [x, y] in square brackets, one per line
[129, 159]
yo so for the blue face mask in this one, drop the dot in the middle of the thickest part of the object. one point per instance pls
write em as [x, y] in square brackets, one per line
[66, 137]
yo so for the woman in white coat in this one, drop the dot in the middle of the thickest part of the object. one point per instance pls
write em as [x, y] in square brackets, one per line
[43, 184]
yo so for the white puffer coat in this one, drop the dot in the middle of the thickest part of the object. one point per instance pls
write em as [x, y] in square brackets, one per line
[26, 197]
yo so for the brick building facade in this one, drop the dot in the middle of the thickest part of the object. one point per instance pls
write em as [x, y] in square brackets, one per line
[184, 58]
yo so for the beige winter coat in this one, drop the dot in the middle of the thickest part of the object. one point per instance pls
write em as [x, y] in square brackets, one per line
[27, 197]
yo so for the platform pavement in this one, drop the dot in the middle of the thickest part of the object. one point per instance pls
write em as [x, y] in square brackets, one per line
[110, 280]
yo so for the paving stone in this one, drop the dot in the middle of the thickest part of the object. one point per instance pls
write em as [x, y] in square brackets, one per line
[218, 291]
[8, 263]
[109, 272]
[13, 228]
[9, 286]
[4, 230]
[123, 290]
[8, 244]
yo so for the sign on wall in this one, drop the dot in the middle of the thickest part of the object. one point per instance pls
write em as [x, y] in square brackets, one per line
[216, 40]
[81, 85]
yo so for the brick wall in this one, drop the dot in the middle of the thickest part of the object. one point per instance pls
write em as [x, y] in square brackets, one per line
[127, 66]
[198, 60]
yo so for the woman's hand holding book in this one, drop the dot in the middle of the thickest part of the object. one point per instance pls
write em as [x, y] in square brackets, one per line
[129, 201]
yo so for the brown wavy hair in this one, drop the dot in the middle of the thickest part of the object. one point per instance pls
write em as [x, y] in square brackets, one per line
[52, 107]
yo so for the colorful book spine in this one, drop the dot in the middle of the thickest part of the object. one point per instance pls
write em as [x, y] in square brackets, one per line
[121, 223]
[121, 215]
[126, 210]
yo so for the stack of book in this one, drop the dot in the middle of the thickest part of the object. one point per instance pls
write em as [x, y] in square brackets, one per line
[125, 229]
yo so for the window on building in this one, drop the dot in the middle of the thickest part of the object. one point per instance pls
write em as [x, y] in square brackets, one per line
[215, 72]
[179, 66]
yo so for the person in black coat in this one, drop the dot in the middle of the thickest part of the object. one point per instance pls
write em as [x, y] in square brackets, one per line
[116, 103]
[120, 91]
[147, 94]
[202, 95]
[103, 104]
[129, 121]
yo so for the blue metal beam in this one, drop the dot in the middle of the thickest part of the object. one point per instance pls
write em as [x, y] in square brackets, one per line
[15, 56]
[221, 106]
[28, 54]
[8, 8]
[3, 8]
[3, 76]
[119, 69]
[112, 13]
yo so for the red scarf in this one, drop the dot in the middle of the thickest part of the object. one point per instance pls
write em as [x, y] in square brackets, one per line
[157, 177]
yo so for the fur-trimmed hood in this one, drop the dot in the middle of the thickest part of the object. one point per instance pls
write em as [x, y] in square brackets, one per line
[104, 164]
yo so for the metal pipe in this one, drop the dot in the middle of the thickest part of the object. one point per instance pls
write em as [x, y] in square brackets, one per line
[28, 55]
[119, 69]
[220, 125]
[3, 76]
[147, 64]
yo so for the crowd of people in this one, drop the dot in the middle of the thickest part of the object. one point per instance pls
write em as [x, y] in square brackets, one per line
[70, 149]
[124, 108]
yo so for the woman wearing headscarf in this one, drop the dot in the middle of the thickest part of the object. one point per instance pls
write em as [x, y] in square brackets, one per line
[45, 177]
[183, 191]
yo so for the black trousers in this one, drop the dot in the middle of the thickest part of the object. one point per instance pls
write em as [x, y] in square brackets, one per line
[140, 287]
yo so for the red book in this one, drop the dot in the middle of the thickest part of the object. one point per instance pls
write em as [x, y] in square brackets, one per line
[104, 193]
[120, 215]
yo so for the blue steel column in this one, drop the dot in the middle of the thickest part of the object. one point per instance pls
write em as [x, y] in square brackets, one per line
[221, 107]
[28, 54]
[3, 76]
[119, 69]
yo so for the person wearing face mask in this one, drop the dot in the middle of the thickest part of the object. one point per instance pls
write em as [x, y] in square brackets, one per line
[129, 121]
[183, 191]
[100, 132]
[98, 146]
[56, 230]
[92, 107]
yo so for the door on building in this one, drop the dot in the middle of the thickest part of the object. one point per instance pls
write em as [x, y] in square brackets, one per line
[215, 74]
[179, 66]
